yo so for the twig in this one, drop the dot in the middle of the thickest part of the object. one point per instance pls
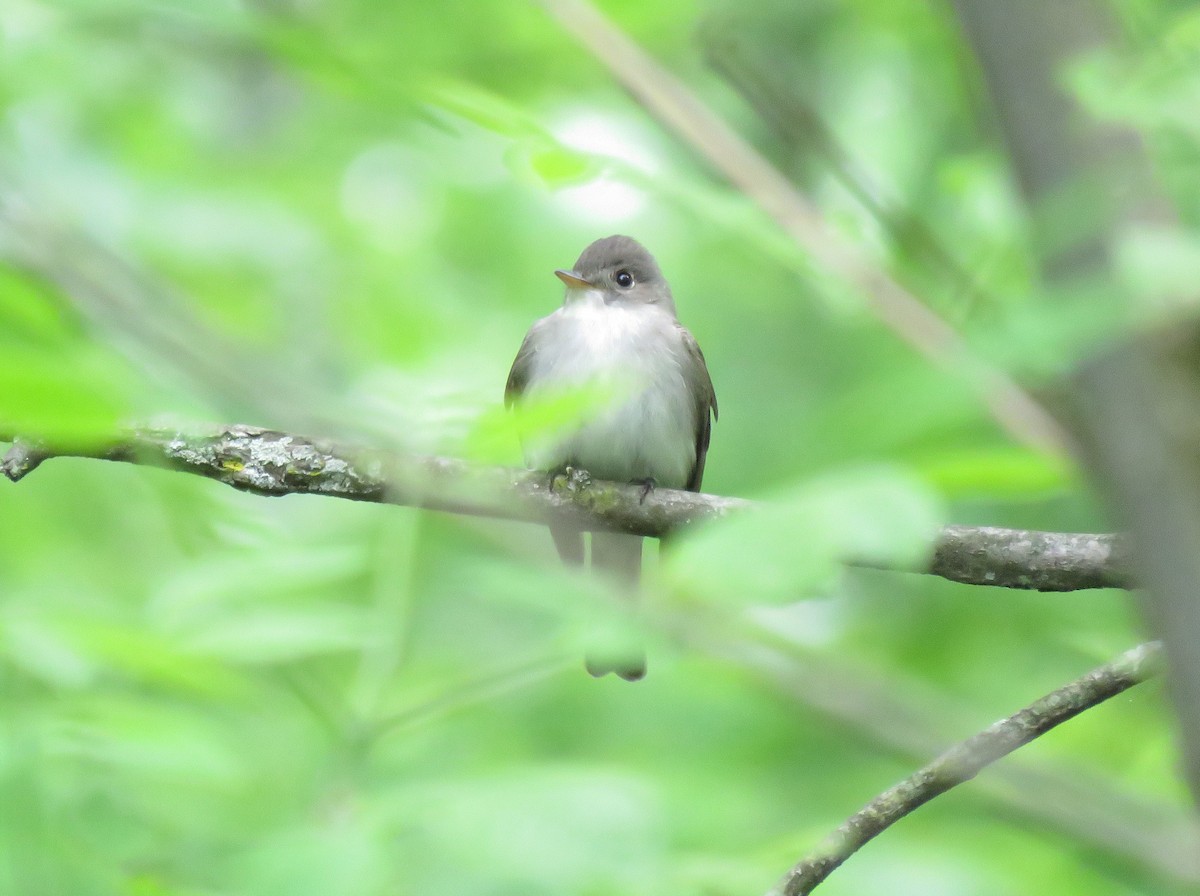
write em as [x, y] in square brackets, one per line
[272, 463]
[798, 126]
[909, 719]
[669, 100]
[964, 761]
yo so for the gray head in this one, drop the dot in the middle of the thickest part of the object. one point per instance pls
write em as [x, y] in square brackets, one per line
[622, 270]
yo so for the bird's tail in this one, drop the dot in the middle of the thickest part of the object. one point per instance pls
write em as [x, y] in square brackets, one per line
[619, 559]
[569, 543]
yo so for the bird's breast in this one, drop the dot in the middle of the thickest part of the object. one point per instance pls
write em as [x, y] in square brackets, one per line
[647, 428]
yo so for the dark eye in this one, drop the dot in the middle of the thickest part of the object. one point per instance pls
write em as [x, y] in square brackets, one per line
[623, 279]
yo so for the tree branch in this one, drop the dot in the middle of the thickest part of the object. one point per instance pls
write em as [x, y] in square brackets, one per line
[270, 463]
[1035, 561]
[964, 761]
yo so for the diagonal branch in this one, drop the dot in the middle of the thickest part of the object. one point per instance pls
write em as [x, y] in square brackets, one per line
[964, 761]
[673, 104]
[271, 463]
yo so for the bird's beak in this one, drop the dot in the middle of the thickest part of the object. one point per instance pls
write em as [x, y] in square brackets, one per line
[573, 280]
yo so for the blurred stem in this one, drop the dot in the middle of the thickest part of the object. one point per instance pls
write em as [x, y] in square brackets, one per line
[676, 107]
[394, 569]
[480, 689]
[270, 463]
[154, 326]
[317, 699]
[799, 127]
[964, 761]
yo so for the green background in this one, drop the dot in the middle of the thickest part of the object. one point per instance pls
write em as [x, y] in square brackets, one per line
[339, 218]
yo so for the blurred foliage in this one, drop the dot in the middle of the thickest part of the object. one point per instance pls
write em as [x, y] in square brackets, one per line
[340, 217]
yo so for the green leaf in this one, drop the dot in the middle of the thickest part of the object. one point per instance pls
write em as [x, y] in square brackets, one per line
[800, 537]
[67, 398]
[549, 414]
[485, 109]
[995, 471]
[277, 635]
[27, 312]
[560, 166]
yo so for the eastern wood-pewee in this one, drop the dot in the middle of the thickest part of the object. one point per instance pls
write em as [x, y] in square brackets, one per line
[617, 331]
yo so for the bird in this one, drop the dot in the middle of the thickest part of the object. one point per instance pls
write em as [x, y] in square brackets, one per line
[617, 330]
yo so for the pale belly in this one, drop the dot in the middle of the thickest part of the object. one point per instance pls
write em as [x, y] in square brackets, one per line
[648, 431]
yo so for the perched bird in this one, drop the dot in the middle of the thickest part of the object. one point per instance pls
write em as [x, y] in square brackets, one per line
[617, 330]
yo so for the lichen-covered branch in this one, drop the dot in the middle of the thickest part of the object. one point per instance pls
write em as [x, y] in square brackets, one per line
[270, 463]
[1040, 561]
[964, 761]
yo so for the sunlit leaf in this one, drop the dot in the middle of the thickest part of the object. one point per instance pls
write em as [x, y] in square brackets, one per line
[994, 472]
[560, 166]
[547, 415]
[71, 398]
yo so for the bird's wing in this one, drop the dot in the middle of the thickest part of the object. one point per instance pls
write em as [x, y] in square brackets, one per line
[567, 540]
[518, 377]
[705, 399]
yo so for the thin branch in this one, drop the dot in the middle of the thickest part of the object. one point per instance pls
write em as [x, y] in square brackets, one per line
[964, 761]
[271, 463]
[670, 101]
[912, 720]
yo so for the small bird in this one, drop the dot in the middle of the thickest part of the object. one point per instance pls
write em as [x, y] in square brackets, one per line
[617, 330]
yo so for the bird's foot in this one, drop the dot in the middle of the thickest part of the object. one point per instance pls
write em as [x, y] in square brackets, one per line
[647, 485]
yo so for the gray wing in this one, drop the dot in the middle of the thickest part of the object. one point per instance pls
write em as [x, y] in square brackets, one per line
[705, 398]
[518, 377]
[568, 541]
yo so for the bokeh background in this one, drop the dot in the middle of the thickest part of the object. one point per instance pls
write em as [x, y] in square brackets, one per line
[338, 217]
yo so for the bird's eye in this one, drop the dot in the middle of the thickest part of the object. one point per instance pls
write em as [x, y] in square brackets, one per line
[623, 279]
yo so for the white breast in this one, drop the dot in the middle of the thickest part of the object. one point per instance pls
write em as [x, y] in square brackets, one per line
[649, 431]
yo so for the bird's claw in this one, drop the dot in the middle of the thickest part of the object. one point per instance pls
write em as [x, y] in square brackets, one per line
[646, 486]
